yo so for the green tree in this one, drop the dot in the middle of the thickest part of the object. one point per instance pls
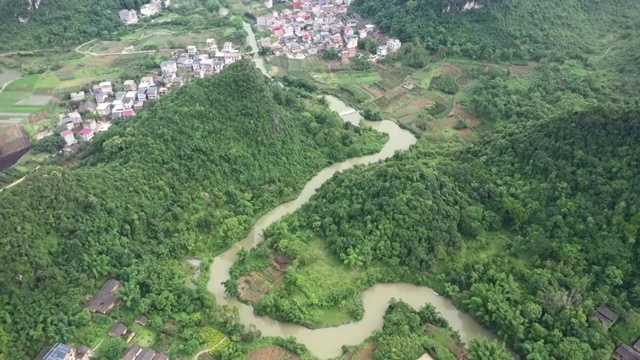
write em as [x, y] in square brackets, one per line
[111, 348]
[330, 54]
[482, 349]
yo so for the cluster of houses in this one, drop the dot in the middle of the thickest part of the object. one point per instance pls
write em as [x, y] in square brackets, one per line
[608, 317]
[102, 302]
[313, 26]
[130, 17]
[198, 63]
[110, 104]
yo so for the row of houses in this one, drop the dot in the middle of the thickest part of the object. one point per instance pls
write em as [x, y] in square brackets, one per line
[199, 63]
[316, 26]
[111, 104]
[130, 16]
[136, 352]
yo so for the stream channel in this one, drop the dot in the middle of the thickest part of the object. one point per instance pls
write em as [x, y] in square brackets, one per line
[327, 342]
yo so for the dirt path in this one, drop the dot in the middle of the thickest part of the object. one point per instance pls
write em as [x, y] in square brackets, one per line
[77, 49]
[196, 356]
[607, 51]
[446, 63]
[6, 84]
[14, 183]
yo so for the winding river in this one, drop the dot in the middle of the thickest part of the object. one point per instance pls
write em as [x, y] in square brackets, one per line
[327, 342]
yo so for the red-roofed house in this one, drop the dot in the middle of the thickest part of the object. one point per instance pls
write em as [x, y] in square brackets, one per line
[86, 134]
[128, 113]
[278, 31]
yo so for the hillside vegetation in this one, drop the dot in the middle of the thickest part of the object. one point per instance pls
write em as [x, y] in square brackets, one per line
[530, 227]
[58, 23]
[505, 30]
[188, 175]
[564, 188]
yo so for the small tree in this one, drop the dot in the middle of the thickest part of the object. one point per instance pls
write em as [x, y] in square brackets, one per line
[111, 349]
[51, 144]
[330, 54]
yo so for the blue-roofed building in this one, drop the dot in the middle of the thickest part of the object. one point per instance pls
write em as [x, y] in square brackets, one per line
[59, 351]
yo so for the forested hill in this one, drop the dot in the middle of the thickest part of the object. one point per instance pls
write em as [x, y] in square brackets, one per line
[189, 174]
[530, 228]
[503, 30]
[58, 23]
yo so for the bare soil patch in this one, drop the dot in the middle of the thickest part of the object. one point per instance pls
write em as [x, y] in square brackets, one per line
[373, 91]
[254, 286]
[458, 350]
[366, 353]
[448, 69]
[407, 110]
[520, 70]
[274, 70]
[273, 352]
[459, 112]
[421, 102]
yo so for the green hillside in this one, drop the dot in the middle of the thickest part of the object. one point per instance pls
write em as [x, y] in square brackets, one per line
[58, 23]
[503, 29]
[531, 229]
[187, 176]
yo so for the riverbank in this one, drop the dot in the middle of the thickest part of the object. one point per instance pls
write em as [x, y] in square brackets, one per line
[328, 342]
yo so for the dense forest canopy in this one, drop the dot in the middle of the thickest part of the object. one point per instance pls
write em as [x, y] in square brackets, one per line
[58, 23]
[506, 30]
[189, 173]
[530, 227]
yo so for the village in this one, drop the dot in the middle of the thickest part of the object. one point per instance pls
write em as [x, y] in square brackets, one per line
[102, 303]
[311, 27]
[315, 26]
[109, 104]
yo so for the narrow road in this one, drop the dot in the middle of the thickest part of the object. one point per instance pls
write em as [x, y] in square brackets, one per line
[77, 49]
[14, 183]
[7, 83]
[17, 181]
[196, 356]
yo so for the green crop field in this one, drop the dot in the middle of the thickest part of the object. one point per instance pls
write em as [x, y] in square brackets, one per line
[47, 81]
[25, 83]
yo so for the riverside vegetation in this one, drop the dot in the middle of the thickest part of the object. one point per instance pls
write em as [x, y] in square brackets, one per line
[188, 175]
[529, 227]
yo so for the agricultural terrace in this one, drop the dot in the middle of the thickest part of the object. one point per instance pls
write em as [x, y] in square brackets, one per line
[23, 96]
[431, 100]
[47, 75]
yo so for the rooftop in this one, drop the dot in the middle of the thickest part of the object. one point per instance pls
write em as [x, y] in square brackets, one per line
[118, 329]
[131, 352]
[106, 298]
[625, 352]
[58, 352]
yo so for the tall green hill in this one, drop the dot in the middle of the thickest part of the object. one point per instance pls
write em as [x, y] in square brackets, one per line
[532, 227]
[503, 29]
[188, 175]
[46, 24]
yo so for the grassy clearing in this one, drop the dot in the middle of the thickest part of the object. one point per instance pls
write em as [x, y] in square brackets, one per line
[47, 81]
[324, 287]
[25, 83]
[95, 331]
[144, 336]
